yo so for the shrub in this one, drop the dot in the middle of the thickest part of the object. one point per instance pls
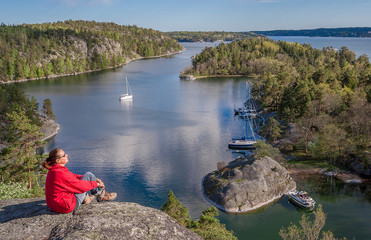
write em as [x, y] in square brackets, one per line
[207, 226]
[14, 190]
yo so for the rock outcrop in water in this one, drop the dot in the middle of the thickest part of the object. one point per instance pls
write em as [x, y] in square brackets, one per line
[32, 219]
[247, 184]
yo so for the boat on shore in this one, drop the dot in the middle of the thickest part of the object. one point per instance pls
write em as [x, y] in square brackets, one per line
[301, 199]
[128, 95]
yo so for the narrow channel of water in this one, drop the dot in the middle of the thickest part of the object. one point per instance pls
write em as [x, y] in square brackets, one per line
[169, 136]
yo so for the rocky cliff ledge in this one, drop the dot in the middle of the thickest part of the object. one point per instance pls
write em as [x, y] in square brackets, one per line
[246, 184]
[50, 128]
[32, 219]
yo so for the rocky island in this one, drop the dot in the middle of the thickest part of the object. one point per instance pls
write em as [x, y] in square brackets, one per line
[246, 184]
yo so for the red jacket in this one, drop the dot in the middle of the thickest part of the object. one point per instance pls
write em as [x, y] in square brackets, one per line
[60, 187]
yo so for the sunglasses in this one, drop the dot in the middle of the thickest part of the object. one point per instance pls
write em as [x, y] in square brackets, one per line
[62, 156]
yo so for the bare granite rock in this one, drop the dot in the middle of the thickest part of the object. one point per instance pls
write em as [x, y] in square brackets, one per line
[247, 184]
[32, 219]
[50, 128]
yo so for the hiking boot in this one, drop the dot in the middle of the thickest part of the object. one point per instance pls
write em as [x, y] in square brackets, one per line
[105, 196]
[88, 198]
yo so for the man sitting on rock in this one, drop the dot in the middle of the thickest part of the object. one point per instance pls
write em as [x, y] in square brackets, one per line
[66, 191]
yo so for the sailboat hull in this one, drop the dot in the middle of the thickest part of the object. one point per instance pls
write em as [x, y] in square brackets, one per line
[241, 144]
[126, 97]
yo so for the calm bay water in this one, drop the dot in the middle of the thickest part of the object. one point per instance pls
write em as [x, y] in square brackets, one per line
[172, 134]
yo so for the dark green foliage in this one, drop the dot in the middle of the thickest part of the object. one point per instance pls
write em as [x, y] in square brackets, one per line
[19, 162]
[47, 109]
[20, 133]
[321, 32]
[264, 149]
[42, 50]
[207, 226]
[310, 87]
[13, 97]
[185, 36]
[272, 130]
[175, 209]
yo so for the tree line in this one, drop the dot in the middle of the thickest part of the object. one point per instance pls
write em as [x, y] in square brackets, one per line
[326, 93]
[31, 51]
[321, 32]
[188, 36]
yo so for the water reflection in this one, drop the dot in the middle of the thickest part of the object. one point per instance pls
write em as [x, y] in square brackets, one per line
[171, 135]
[331, 189]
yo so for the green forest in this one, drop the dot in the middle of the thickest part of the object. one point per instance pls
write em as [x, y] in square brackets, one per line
[326, 93]
[213, 36]
[321, 32]
[32, 51]
[185, 36]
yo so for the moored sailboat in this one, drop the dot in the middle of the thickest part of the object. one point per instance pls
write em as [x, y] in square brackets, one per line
[244, 142]
[128, 95]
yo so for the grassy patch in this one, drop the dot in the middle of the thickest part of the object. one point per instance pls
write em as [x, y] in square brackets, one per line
[302, 160]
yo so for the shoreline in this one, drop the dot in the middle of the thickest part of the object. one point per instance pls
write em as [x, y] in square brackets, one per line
[218, 76]
[344, 176]
[90, 71]
[50, 129]
[298, 174]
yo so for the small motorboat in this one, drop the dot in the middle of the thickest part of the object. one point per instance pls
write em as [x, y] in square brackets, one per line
[301, 199]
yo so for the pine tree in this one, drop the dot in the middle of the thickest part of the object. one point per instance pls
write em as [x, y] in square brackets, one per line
[174, 208]
[207, 226]
[47, 109]
[19, 161]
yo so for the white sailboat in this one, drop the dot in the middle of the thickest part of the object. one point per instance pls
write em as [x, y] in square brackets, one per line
[128, 95]
[244, 142]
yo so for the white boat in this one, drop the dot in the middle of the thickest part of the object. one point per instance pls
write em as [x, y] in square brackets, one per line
[244, 142]
[301, 199]
[128, 95]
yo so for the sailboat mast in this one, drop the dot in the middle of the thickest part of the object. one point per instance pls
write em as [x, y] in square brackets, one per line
[127, 89]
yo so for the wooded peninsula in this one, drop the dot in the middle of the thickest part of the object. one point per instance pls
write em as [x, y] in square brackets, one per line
[32, 51]
[213, 36]
[325, 93]
[185, 36]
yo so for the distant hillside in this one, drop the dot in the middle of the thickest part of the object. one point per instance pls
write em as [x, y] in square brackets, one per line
[184, 36]
[321, 32]
[32, 51]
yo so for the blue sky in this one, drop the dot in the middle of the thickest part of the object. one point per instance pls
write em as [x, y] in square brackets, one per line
[195, 15]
